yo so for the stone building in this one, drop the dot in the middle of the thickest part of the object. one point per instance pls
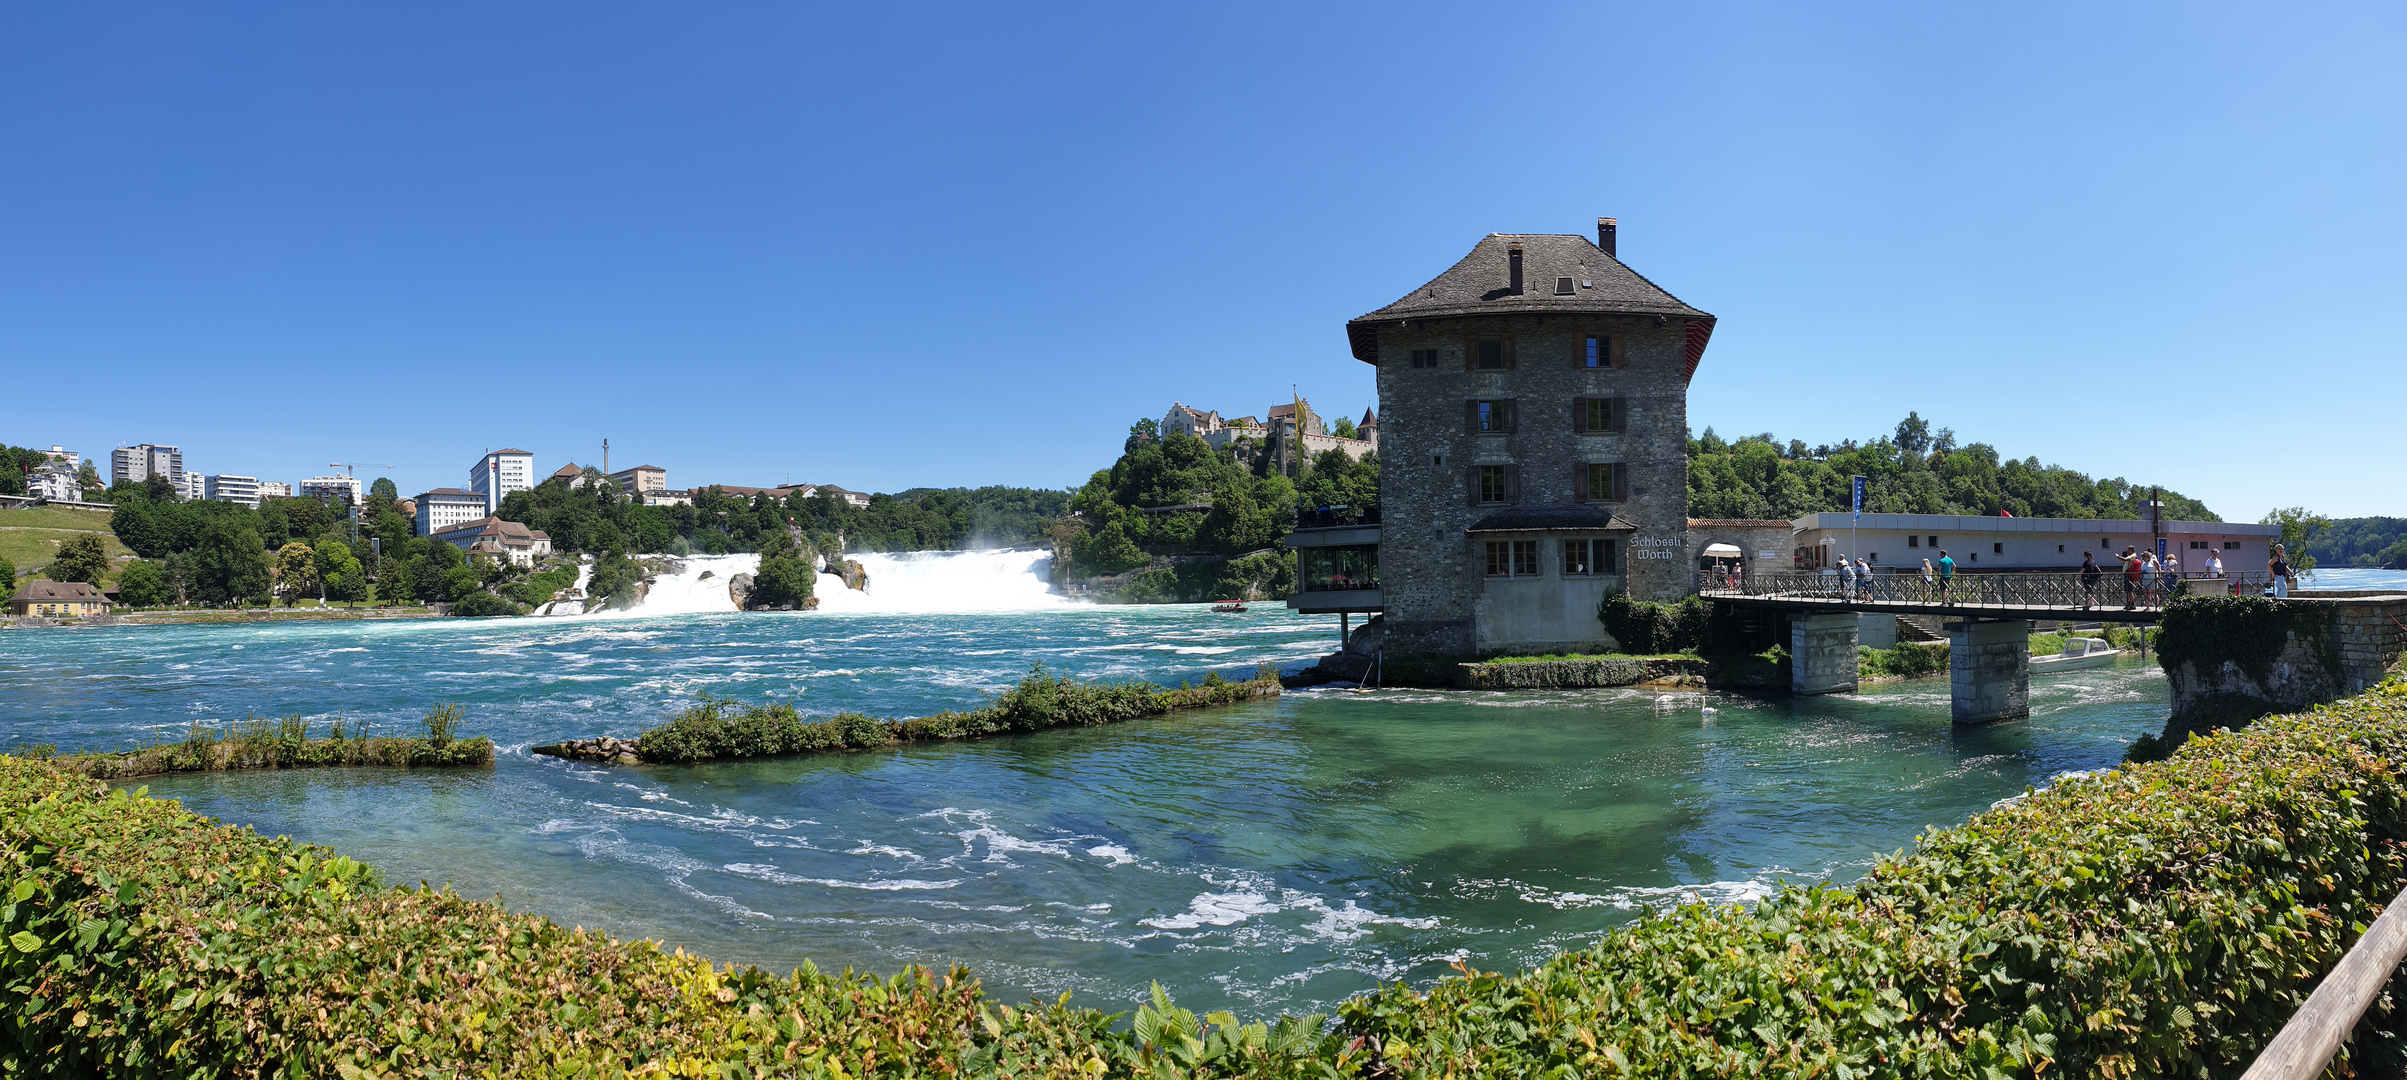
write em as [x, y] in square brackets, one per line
[1292, 434]
[1534, 453]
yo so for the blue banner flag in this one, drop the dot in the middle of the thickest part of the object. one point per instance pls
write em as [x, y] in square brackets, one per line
[1859, 496]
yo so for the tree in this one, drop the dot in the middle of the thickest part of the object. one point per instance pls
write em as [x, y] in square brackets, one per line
[383, 490]
[334, 562]
[87, 477]
[1344, 429]
[786, 575]
[2300, 528]
[8, 576]
[1913, 434]
[230, 563]
[296, 571]
[12, 479]
[158, 489]
[1142, 432]
[351, 586]
[82, 558]
[142, 584]
[178, 568]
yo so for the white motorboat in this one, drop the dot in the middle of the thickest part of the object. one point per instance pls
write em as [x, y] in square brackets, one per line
[2080, 652]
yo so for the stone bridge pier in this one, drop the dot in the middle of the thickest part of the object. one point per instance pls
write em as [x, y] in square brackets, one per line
[1822, 652]
[1989, 670]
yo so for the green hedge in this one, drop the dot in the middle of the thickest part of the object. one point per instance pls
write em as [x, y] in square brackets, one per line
[722, 729]
[2162, 920]
[1644, 627]
[1906, 660]
[291, 742]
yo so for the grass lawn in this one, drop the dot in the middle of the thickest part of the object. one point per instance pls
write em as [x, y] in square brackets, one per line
[56, 517]
[32, 549]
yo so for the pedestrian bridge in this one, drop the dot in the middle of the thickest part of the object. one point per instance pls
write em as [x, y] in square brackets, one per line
[1989, 655]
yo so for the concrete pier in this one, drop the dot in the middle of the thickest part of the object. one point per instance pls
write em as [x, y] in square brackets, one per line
[1822, 652]
[1989, 667]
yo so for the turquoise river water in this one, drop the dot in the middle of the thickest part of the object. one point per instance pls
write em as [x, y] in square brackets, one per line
[1275, 856]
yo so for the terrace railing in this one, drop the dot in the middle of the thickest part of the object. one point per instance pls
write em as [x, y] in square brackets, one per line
[2020, 590]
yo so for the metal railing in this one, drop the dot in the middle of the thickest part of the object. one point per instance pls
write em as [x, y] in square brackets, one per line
[2048, 590]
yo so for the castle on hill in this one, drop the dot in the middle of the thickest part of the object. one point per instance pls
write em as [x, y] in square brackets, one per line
[1291, 434]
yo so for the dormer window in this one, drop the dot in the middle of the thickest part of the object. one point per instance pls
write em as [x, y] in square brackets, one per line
[1563, 286]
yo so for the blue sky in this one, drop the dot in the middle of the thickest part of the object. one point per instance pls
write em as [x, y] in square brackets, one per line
[969, 245]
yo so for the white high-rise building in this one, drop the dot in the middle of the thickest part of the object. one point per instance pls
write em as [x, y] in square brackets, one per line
[499, 473]
[139, 463]
[226, 487]
[444, 508]
[345, 488]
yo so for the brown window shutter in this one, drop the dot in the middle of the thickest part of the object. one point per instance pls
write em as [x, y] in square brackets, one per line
[1510, 420]
[1579, 481]
[1470, 352]
[1579, 416]
[1617, 417]
[1474, 473]
[1621, 482]
[1512, 483]
[1508, 352]
[1621, 355]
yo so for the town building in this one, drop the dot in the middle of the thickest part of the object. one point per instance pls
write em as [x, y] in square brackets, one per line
[55, 598]
[1538, 392]
[568, 474]
[55, 478]
[664, 498]
[856, 499]
[499, 473]
[1900, 542]
[345, 488]
[275, 489]
[642, 480]
[500, 539]
[135, 464]
[446, 508]
[227, 487]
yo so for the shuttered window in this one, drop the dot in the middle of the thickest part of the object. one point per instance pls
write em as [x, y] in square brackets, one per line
[1597, 415]
[1512, 558]
[1597, 482]
[1491, 417]
[1495, 484]
[1493, 352]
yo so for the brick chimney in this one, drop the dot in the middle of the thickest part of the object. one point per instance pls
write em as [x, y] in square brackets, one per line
[1513, 257]
[1604, 235]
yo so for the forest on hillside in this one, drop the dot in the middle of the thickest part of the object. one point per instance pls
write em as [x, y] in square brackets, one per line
[593, 515]
[2365, 541]
[1913, 470]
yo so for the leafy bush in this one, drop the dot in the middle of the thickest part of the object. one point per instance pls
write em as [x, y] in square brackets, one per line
[1906, 659]
[719, 728]
[1646, 628]
[289, 743]
[475, 602]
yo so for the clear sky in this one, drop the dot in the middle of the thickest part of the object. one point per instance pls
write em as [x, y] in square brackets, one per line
[888, 247]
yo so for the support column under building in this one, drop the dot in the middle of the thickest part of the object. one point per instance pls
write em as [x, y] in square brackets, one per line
[1822, 652]
[1989, 670]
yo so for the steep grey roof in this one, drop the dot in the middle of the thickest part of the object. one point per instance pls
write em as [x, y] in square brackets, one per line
[1481, 284]
[1551, 519]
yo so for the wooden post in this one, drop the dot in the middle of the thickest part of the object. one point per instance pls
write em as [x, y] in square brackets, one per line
[2306, 1044]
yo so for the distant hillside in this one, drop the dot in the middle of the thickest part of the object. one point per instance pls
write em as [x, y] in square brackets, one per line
[30, 539]
[1910, 471]
[2365, 541]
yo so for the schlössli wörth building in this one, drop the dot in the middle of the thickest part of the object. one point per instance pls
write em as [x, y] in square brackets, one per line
[1534, 445]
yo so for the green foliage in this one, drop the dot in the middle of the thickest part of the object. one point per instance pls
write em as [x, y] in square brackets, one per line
[1905, 660]
[2249, 631]
[287, 743]
[82, 558]
[2301, 528]
[537, 589]
[613, 581]
[229, 564]
[2365, 541]
[8, 575]
[142, 584]
[1913, 472]
[476, 601]
[787, 575]
[719, 729]
[1643, 627]
[596, 518]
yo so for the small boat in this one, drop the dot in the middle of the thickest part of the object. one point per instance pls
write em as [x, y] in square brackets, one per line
[1230, 608]
[2080, 652]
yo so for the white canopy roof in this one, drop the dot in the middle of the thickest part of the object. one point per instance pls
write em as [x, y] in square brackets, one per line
[1723, 551]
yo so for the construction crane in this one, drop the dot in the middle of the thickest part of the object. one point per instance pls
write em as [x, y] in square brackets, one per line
[349, 466]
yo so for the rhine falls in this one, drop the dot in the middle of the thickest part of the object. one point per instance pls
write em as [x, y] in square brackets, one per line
[921, 582]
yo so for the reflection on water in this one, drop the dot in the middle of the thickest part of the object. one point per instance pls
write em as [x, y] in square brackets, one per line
[1278, 855]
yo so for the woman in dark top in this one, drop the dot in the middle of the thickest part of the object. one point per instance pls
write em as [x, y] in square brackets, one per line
[2279, 567]
[2089, 578]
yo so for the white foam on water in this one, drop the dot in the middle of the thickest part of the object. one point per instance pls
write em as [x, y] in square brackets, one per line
[920, 582]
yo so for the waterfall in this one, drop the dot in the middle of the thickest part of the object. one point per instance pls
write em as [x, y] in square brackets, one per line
[921, 581]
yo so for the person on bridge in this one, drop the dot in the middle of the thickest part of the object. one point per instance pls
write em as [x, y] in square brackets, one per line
[2089, 579]
[2168, 571]
[1929, 576]
[2214, 563]
[2132, 569]
[1947, 575]
[1863, 577]
[1846, 580]
[2279, 568]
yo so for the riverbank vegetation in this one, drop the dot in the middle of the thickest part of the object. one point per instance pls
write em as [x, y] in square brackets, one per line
[1904, 660]
[719, 729]
[593, 515]
[2156, 921]
[1912, 470]
[291, 742]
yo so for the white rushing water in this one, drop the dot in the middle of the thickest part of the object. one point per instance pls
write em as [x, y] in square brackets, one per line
[914, 582]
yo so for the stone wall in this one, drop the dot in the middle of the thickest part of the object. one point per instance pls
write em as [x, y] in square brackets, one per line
[1433, 574]
[2363, 641]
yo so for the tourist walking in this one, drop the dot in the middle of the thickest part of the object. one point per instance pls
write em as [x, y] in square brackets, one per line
[1930, 577]
[1863, 578]
[2131, 577]
[2168, 572]
[2278, 567]
[2089, 579]
[1846, 580]
[1947, 575]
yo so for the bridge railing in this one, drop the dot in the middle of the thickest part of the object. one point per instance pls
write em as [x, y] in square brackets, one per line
[2056, 591]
